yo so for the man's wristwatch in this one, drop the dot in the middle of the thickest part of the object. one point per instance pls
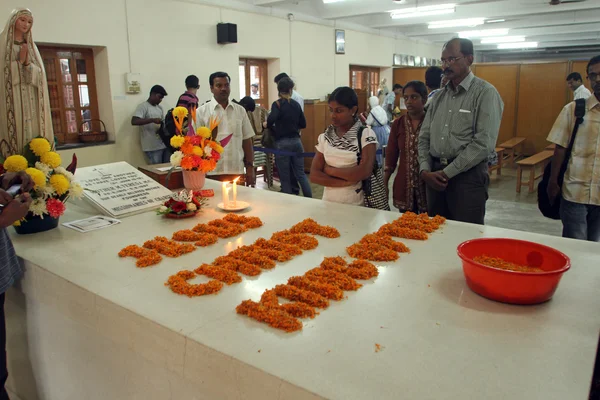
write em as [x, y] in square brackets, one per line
[248, 163]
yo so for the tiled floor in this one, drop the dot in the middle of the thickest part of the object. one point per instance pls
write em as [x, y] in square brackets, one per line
[505, 208]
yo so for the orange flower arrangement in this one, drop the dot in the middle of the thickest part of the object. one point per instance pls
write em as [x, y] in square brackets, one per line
[247, 255]
[305, 296]
[385, 241]
[237, 265]
[186, 235]
[248, 222]
[224, 275]
[295, 309]
[324, 289]
[362, 270]
[279, 246]
[273, 316]
[206, 240]
[302, 240]
[168, 248]
[309, 225]
[145, 257]
[275, 255]
[372, 252]
[314, 289]
[420, 222]
[179, 284]
[406, 233]
[337, 279]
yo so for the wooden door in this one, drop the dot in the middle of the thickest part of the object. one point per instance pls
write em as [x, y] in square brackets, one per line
[505, 79]
[542, 95]
[365, 78]
[254, 81]
[405, 75]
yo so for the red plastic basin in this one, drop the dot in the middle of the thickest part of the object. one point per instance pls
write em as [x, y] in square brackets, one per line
[512, 286]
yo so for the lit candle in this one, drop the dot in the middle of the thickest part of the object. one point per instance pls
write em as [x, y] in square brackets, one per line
[235, 192]
[225, 193]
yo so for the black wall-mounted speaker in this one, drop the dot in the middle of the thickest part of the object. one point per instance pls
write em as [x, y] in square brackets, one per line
[226, 33]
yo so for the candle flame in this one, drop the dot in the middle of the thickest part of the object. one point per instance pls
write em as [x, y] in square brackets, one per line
[235, 180]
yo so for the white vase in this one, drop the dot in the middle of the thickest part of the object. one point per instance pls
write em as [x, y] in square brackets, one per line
[193, 180]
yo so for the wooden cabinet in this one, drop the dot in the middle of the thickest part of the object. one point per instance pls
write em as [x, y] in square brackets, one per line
[317, 120]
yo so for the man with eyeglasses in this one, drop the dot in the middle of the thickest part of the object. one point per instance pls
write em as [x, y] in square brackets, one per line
[457, 136]
[149, 116]
[580, 203]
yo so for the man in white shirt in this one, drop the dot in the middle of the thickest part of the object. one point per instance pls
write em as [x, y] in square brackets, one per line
[238, 152]
[300, 100]
[580, 191]
[575, 83]
[390, 100]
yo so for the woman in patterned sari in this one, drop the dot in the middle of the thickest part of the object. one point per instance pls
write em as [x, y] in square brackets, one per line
[24, 105]
[408, 188]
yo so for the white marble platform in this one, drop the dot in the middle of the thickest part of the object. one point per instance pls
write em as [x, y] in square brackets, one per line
[84, 324]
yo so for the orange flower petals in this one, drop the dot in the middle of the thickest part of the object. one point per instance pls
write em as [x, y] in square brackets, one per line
[420, 222]
[206, 240]
[273, 316]
[224, 275]
[337, 279]
[186, 235]
[406, 233]
[253, 223]
[385, 241]
[305, 296]
[309, 225]
[275, 255]
[237, 265]
[362, 270]
[299, 310]
[302, 240]
[279, 246]
[145, 257]
[246, 254]
[168, 247]
[178, 283]
[371, 252]
[200, 239]
[324, 289]
[248, 222]
[497, 262]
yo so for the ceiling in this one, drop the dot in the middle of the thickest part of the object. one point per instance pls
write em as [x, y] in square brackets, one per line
[571, 28]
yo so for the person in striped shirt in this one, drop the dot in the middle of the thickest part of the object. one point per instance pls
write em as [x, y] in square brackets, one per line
[189, 99]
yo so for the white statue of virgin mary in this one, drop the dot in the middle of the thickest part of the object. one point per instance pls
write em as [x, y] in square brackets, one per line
[24, 101]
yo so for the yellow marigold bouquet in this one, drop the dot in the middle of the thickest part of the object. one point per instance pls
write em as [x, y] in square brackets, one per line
[197, 150]
[53, 184]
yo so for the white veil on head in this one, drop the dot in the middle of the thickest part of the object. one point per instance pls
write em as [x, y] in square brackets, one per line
[11, 140]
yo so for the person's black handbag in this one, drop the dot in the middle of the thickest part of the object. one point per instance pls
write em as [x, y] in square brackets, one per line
[548, 209]
[167, 130]
[268, 136]
[373, 187]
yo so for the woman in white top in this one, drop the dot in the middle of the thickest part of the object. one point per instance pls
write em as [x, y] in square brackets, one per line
[377, 119]
[335, 165]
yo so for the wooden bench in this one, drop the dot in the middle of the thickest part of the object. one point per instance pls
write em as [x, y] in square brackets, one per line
[550, 147]
[541, 158]
[510, 147]
[498, 167]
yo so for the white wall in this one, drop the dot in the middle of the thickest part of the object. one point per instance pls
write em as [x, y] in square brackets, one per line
[169, 40]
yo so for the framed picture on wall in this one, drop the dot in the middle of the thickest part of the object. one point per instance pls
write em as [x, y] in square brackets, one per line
[340, 41]
[404, 59]
[397, 60]
[411, 61]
